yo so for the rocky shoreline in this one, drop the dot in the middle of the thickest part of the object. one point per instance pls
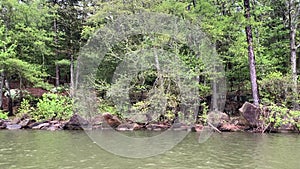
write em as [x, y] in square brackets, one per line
[105, 121]
[108, 121]
[249, 121]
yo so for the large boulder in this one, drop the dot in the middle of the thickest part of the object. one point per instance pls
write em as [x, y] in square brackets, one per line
[76, 122]
[251, 114]
[112, 121]
[217, 118]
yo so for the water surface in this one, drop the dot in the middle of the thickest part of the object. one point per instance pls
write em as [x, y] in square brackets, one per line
[74, 149]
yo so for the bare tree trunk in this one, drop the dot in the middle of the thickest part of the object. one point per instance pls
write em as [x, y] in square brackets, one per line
[72, 86]
[293, 14]
[57, 75]
[10, 100]
[1, 89]
[251, 55]
[56, 50]
[214, 95]
[77, 75]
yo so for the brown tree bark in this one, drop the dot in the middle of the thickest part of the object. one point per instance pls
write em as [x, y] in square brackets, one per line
[251, 55]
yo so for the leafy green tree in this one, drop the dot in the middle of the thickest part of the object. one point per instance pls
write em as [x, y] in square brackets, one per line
[21, 37]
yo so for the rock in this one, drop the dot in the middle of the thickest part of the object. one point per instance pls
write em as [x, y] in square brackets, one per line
[128, 127]
[251, 114]
[177, 125]
[112, 121]
[3, 124]
[41, 126]
[13, 126]
[76, 122]
[229, 127]
[157, 127]
[286, 128]
[33, 124]
[97, 119]
[54, 127]
[16, 120]
[180, 127]
[217, 118]
[54, 122]
[24, 123]
[197, 128]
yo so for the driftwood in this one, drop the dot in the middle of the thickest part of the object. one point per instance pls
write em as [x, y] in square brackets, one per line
[212, 126]
[266, 128]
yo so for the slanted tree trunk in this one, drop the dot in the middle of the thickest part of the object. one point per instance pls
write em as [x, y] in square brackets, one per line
[293, 18]
[251, 55]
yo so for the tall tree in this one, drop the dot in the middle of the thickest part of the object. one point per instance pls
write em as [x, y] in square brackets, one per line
[23, 44]
[293, 9]
[251, 56]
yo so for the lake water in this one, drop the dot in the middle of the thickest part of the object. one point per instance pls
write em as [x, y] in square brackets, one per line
[74, 149]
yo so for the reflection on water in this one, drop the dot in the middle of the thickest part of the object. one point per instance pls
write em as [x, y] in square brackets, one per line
[74, 149]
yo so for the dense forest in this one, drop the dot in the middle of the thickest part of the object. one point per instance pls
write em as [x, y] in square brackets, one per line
[257, 41]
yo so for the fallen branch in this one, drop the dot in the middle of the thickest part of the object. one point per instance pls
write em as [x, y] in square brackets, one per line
[266, 128]
[212, 126]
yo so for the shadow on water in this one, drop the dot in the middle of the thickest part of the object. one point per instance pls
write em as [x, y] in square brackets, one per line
[74, 149]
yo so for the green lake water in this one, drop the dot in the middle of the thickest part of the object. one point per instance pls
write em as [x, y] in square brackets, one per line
[75, 150]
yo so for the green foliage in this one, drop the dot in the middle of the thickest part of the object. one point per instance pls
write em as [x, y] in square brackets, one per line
[204, 115]
[31, 48]
[280, 115]
[276, 88]
[3, 115]
[53, 106]
[108, 107]
[25, 108]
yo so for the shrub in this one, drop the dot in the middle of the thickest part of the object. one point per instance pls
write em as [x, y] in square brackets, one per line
[3, 115]
[25, 108]
[53, 106]
[280, 115]
[276, 88]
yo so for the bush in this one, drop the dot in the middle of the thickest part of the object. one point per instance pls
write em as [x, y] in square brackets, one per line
[276, 88]
[25, 108]
[280, 115]
[3, 115]
[53, 106]
[107, 107]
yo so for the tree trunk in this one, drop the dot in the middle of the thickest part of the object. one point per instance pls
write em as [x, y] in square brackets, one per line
[77, 75]
[294, 65]
[293, 20]
[57, 75]
[10, 100]
[251, 55]
[1, 90]
[56, 50]
[72, 86]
